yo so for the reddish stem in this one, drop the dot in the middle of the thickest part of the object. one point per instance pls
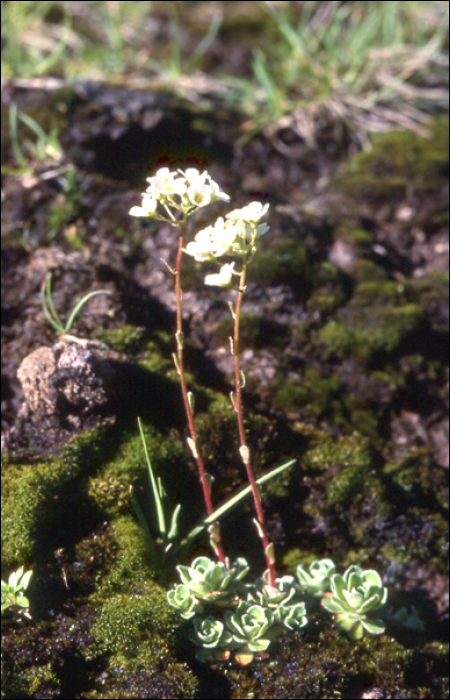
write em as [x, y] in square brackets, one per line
[240, 419]
[187, 407]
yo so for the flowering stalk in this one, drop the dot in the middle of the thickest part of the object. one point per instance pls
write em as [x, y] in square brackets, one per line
[195, 448]
[185, 195]
[237, 238]
[244, 450]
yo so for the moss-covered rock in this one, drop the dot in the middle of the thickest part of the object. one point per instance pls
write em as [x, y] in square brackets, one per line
[41, 500]
[326, 665]
[132, 625]
[135, 631]
[377, 320]
[398, 161]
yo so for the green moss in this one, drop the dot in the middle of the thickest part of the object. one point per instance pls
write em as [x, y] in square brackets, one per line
[349, 461]
[127, 339]
[12, 685]
[359, 239]
[331, 289]
[326, 665]
[367, 271]
[135, 626]
[250, 329]
[270, 442]
[318, 394]
[417, 475]
[433, 291]
[399, 161]
[377, 320]
[418, 488]
[135, 632]
[41, 681]
[109, 487]
[345, 486]
[129, 559]
[327, 398]
[41, 501]
[285, 263]
[37, 681]
[254, 331]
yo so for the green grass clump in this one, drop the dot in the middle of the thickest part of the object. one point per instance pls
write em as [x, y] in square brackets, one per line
[356, 60]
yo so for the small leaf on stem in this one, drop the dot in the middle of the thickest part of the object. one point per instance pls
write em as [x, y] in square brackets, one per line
[171, 269]
[245, 453]
[192, 446]
[209, 480]
[270, 553]
[259, 528]
[177, 364]
[180, 339]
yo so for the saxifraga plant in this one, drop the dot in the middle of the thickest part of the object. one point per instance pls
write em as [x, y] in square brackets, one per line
[14, 600]
[226, 612]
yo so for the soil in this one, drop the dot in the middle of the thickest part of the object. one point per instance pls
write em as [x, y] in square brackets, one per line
[345, 350]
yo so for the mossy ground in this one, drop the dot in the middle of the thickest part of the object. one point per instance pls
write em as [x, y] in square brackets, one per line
[357, 345]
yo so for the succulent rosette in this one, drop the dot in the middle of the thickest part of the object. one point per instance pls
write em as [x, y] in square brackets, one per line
[211, 581]
[315, 579]
[354, 596]
[293, 617]
[183, 600]
[408, 618]
[249, 626]
[285, 590]
[210, 633]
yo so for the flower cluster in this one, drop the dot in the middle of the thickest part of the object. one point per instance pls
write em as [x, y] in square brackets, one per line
[235, 236]
[184, 191]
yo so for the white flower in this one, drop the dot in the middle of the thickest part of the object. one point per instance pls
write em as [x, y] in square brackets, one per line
[217, 193]
[200, 192]
[199, 195]
[166, 183]
[221, 278]
[148, 206]
[214, 241]
[251, 214]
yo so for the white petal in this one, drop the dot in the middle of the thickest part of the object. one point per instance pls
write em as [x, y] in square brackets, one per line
[252, 213]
